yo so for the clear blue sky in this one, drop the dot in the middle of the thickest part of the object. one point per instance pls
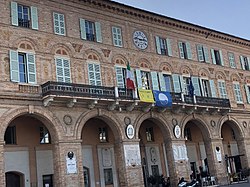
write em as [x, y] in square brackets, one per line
[227, 16]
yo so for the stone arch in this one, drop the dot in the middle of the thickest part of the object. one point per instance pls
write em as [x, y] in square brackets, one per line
[204, 73]
[144, 63]
[26, 43]
[64, 49]
[166, 67]
[220, 75]
[158, 118]
[93, 55]
[235, 77]
[185, 70]
[197, 120]
[119, 60]
[50, 121]
[106, 116]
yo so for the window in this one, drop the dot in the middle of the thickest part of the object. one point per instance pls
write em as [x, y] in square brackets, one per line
[24, 16]
[155, 170]
[120, 77]
[59, 24]
[48, 180]
[217, 57]
[94, 74]
[90, 31]
[187, 134]
[202, 52]
[163, 46]
[145, 77]
[117, 36]
[168, 82]
[62, 70]
[86, 177]
[247, 89]
[10, 135]
[22, 67]
[233, 134]
[237, 93]
[186, 85]
[44, 136]
[149, 134]
[185, 50]
[103, 134]
[231, 60]
[222, 89]
[245, 62]
[108, 176]
[206, 88]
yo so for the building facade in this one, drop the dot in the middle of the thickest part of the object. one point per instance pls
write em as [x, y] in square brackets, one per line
[68, 120]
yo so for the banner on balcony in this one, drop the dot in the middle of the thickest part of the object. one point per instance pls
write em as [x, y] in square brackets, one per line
[146, 96]
[162, 99]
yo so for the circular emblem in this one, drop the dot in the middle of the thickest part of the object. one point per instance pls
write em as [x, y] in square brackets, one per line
[127, 120]
[130, 131]
[174, 121]
[163, 99]
[140, 40]
[177, 131]
[67, 119]
[244, 124]
[212, 122]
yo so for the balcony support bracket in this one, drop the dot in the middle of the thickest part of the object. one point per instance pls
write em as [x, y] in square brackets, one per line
[131, 106]
[71, 103]
[113, 105]
[47, 101]
[92, 104]
[148, 107]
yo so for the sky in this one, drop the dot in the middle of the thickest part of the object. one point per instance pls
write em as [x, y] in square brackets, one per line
[227, 16]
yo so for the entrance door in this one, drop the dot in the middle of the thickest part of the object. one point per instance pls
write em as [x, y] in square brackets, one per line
[13, 179]
[237, 162]
[47, 180]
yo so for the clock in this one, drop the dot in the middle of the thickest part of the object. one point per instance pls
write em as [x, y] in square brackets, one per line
[140, 40]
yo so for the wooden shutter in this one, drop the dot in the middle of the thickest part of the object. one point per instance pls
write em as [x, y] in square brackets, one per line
[248, 62]
[176, 83]
[242, 63]
[98, 74]
[59, 24]
[138, 78]
[205, 50]
[196, 84]
[116, 34]
[189, 51]
[83, 29]
[14, 66]
[169, 46]
[66, 68]
[213, 56]
[14, 14]
[154, 78]
[119, 77]
[202, 88]
[158, 46]
[212, 88]
[181, 50]
[221, 58]
[247, 93]
[98, 32]
[59, 70]
[34, 18]
[183, 86]
[31, 66]
[162, 81]
[200, 53]
[168, 83]
[94, 74]
[62, 24]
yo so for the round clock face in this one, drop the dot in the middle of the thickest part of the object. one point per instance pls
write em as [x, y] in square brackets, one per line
[140, 40]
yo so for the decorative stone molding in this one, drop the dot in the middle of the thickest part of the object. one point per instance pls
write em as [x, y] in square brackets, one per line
[67, 119]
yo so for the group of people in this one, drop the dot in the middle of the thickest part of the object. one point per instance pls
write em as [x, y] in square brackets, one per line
[166, 182]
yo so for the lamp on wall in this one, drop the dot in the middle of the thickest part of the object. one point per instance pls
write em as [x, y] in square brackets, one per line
[70, 155]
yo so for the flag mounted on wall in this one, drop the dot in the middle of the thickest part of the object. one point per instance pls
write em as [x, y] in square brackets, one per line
[162, 99]
[129, 82]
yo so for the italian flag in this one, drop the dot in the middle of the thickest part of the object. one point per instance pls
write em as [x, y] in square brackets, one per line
[129, 82]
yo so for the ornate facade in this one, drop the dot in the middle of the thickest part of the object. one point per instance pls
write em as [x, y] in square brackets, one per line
[68, 119]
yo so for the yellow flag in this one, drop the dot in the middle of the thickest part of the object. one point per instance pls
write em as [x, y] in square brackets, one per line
[146, 96]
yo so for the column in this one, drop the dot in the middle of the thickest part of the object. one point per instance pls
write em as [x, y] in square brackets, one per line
[2, 171]
[244, 149]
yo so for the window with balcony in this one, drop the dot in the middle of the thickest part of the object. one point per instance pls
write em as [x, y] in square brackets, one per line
[186, 85]
[59, 24]
[94, 73]
[245, 62]
[150, 134]
[10, 135]
[63, 70]
[44, 136]
[120, 76]
[231, 60]
[163, 46]
[24, 16]
[207, 88]
[90, 31]
[185, 50]
[222, 89]
[237, 93]
[103, 134]
[217, 57]
[202, 52]
[22, 67]
[117, 36]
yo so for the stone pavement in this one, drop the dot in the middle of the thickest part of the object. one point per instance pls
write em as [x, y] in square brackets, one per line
[240, 184]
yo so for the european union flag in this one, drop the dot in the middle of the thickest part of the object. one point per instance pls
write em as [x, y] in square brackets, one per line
[162, 99]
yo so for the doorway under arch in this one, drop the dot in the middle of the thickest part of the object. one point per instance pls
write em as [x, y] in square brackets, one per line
[14, 179]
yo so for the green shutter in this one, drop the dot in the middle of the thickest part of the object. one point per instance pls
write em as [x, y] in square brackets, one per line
[202, 88]
[14, 14]
[98, 74]
[98, 32]
[242, 62]
[154, 78]
[83, 29]
[248, 62]
[59, 70]
[162, 81]
[200, 53]
[34, 18]
[176, 83]
[212, 88]
[14, 66]
[94, 74]
[221, 58]
[138, 78]
[213, 56]
[183, 85]
[31, 66]
[119, 77]
[189, 51]
[247, 93]
[169, 46]
[181, 50]
[205, 50]
[196, 84]
[158, 46]
[66, 68]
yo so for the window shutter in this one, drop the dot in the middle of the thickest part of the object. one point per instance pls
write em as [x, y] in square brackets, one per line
[59, 24]
[205, 50]
[117, 38]
[213, 56]
[189, 51]
[221, 58]
[183, 86]
[212, 87]
[98, 32]
[158, 46]
[231, 60]
[169, 46]
[154, 79]
[66, 66]
[200, 53]
[34, 18]
[162, 81]
[14, 14]
[181, 50]
[247, 93]
[176, 83]
[59, 70]
[138, 78]
[202, 88]
[83, 29]
[31, 68]
[242, 62]
[248, 62]
[91, 74]
[62, 24]
[196, 84]
[98, 74]
[14, 66]
[168, 83]
[119, 77]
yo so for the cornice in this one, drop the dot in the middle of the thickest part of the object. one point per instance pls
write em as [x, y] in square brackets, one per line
[149, 17]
